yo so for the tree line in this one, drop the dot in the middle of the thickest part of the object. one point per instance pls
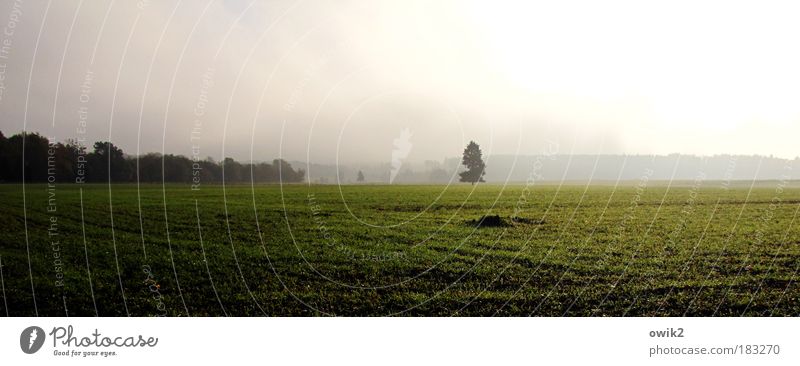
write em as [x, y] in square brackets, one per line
[48, 161]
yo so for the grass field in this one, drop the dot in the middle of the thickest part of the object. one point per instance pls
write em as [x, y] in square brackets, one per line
[690, 249]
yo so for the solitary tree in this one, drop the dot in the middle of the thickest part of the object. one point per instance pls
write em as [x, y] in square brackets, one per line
[474, 162]
[360, 177]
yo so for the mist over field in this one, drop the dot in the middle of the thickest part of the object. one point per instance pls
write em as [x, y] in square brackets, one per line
[553, 168]
[329, 83]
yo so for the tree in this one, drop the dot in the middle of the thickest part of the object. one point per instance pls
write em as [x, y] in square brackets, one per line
[40, 159]
[108, 162]
[360, 177]
[285, 173]
[4, 153]
[66, 155]
[33, 160]
[474, 162]
[232, 170]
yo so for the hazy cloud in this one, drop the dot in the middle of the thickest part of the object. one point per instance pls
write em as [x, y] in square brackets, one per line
[342, 79]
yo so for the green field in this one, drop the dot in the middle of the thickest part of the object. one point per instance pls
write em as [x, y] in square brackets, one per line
[400, 250]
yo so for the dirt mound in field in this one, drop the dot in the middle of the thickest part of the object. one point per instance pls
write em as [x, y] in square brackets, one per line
[489, 221]
[497, 221]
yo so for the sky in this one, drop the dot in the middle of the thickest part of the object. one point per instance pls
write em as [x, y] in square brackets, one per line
[340, 81]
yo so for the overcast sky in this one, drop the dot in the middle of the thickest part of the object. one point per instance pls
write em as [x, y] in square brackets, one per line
[325, 80]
